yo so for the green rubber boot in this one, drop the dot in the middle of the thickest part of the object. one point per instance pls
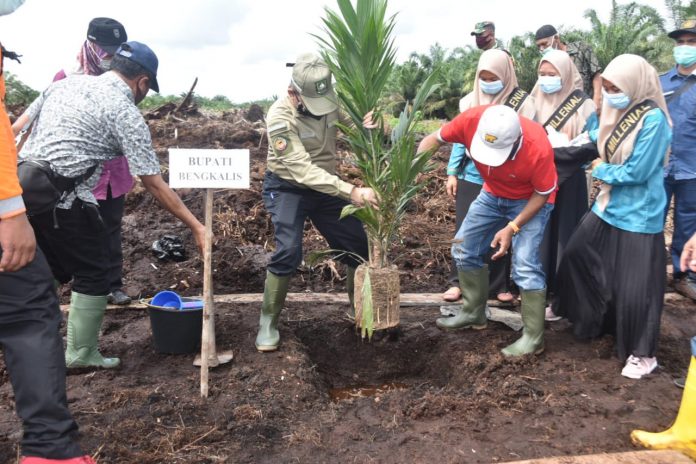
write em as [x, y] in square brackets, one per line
[474, 286]
[350, 288]
[274, 292]
[84, 322]
[532, 340]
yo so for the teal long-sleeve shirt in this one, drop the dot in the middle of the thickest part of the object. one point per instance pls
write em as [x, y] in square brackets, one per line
[637, 198]
[458, 159]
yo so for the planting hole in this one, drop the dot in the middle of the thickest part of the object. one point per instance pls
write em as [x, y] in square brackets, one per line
[351, 367]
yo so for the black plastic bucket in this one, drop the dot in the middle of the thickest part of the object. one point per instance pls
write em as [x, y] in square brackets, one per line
[176, 331]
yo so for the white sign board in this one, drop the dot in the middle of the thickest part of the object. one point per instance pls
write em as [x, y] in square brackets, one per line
[201, 168]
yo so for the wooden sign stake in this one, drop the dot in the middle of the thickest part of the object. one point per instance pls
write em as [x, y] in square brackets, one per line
[209, 356]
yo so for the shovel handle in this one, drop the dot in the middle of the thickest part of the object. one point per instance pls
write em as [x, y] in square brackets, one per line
[198, 304]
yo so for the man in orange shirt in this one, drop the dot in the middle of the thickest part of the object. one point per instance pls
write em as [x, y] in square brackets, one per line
[29, 321]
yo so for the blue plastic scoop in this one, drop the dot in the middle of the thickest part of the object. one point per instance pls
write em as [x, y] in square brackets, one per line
[169, 299]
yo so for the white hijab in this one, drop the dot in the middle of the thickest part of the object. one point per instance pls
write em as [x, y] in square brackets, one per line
[547, 103]
[499, 63]
[639, 81]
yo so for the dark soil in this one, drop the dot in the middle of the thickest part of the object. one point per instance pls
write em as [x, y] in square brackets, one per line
[415, 395]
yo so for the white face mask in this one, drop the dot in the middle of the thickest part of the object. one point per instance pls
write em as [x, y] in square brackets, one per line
[8, 6]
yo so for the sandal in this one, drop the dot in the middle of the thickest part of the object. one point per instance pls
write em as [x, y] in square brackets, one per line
[452, 294]
[505, 297]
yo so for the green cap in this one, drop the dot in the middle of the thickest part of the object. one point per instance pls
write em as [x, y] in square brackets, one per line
[481, 27]
[311, 78]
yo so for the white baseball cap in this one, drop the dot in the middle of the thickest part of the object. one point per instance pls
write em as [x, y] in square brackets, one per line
[497, 131]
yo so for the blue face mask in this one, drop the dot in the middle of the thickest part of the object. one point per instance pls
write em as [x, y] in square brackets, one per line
[685, 55]
[620, 101]
[550, 84]
[491, 88]
[8, 6]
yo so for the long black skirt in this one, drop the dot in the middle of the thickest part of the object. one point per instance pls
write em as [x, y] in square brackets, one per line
[570, 207]
[611, 281]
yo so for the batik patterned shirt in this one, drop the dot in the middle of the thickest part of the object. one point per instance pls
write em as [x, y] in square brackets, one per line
[83, 121]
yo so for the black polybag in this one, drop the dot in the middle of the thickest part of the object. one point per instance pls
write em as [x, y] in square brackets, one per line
[169, 247]
[569, 159]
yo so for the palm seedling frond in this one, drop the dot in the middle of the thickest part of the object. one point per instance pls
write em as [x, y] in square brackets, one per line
[359, 49]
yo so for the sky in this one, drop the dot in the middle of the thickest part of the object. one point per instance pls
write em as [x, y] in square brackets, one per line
[238, 48]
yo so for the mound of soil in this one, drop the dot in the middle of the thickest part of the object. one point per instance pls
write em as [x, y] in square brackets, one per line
[242, 227]
[412, 395]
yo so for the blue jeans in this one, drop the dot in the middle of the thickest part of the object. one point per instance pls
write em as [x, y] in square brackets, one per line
[487, 215]
[684, 192]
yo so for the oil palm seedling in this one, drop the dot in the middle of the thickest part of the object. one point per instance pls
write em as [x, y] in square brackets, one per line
[358, 46]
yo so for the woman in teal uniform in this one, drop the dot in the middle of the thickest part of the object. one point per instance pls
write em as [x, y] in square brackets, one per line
[612, 275]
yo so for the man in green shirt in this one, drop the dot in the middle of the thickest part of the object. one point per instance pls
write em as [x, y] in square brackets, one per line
[485, 36]
[301, 183]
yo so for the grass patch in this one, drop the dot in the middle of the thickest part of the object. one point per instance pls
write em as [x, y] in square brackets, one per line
[425, 126]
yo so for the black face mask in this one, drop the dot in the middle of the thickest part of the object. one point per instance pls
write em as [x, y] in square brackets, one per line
[482, 42]
[305, 112]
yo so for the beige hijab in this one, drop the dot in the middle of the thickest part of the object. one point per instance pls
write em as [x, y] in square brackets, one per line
[639, 80]
[547, 103]
[499, 63]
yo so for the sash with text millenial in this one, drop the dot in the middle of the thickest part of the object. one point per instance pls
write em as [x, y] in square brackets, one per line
[516, 99]
[626, 125]
[567, 109]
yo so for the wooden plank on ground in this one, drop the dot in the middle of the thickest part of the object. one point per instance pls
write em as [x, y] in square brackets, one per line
[632, 457]
[407, 299]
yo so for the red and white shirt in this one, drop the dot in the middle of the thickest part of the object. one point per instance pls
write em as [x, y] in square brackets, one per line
[530, 170]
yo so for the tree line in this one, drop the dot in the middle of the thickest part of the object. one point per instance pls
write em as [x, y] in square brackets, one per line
[631, 28]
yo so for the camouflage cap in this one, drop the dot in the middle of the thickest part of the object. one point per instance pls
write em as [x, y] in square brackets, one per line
[687, 26]
[481, 27]
[311, 78]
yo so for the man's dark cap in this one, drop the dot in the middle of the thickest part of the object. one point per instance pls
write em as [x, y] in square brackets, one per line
[545, 31]
[107, 33]
[687, 26]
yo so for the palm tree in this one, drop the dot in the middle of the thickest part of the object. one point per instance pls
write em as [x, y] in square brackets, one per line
[404, 83]
[689, 11]
[526, 57]
[456, 75]
[455, 71]
[632, 28]
[678, 12]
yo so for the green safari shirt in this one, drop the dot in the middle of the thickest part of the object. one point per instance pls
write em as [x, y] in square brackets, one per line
[302, 149]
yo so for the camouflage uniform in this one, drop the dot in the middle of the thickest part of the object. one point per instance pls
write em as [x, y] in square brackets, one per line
[586, 61]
